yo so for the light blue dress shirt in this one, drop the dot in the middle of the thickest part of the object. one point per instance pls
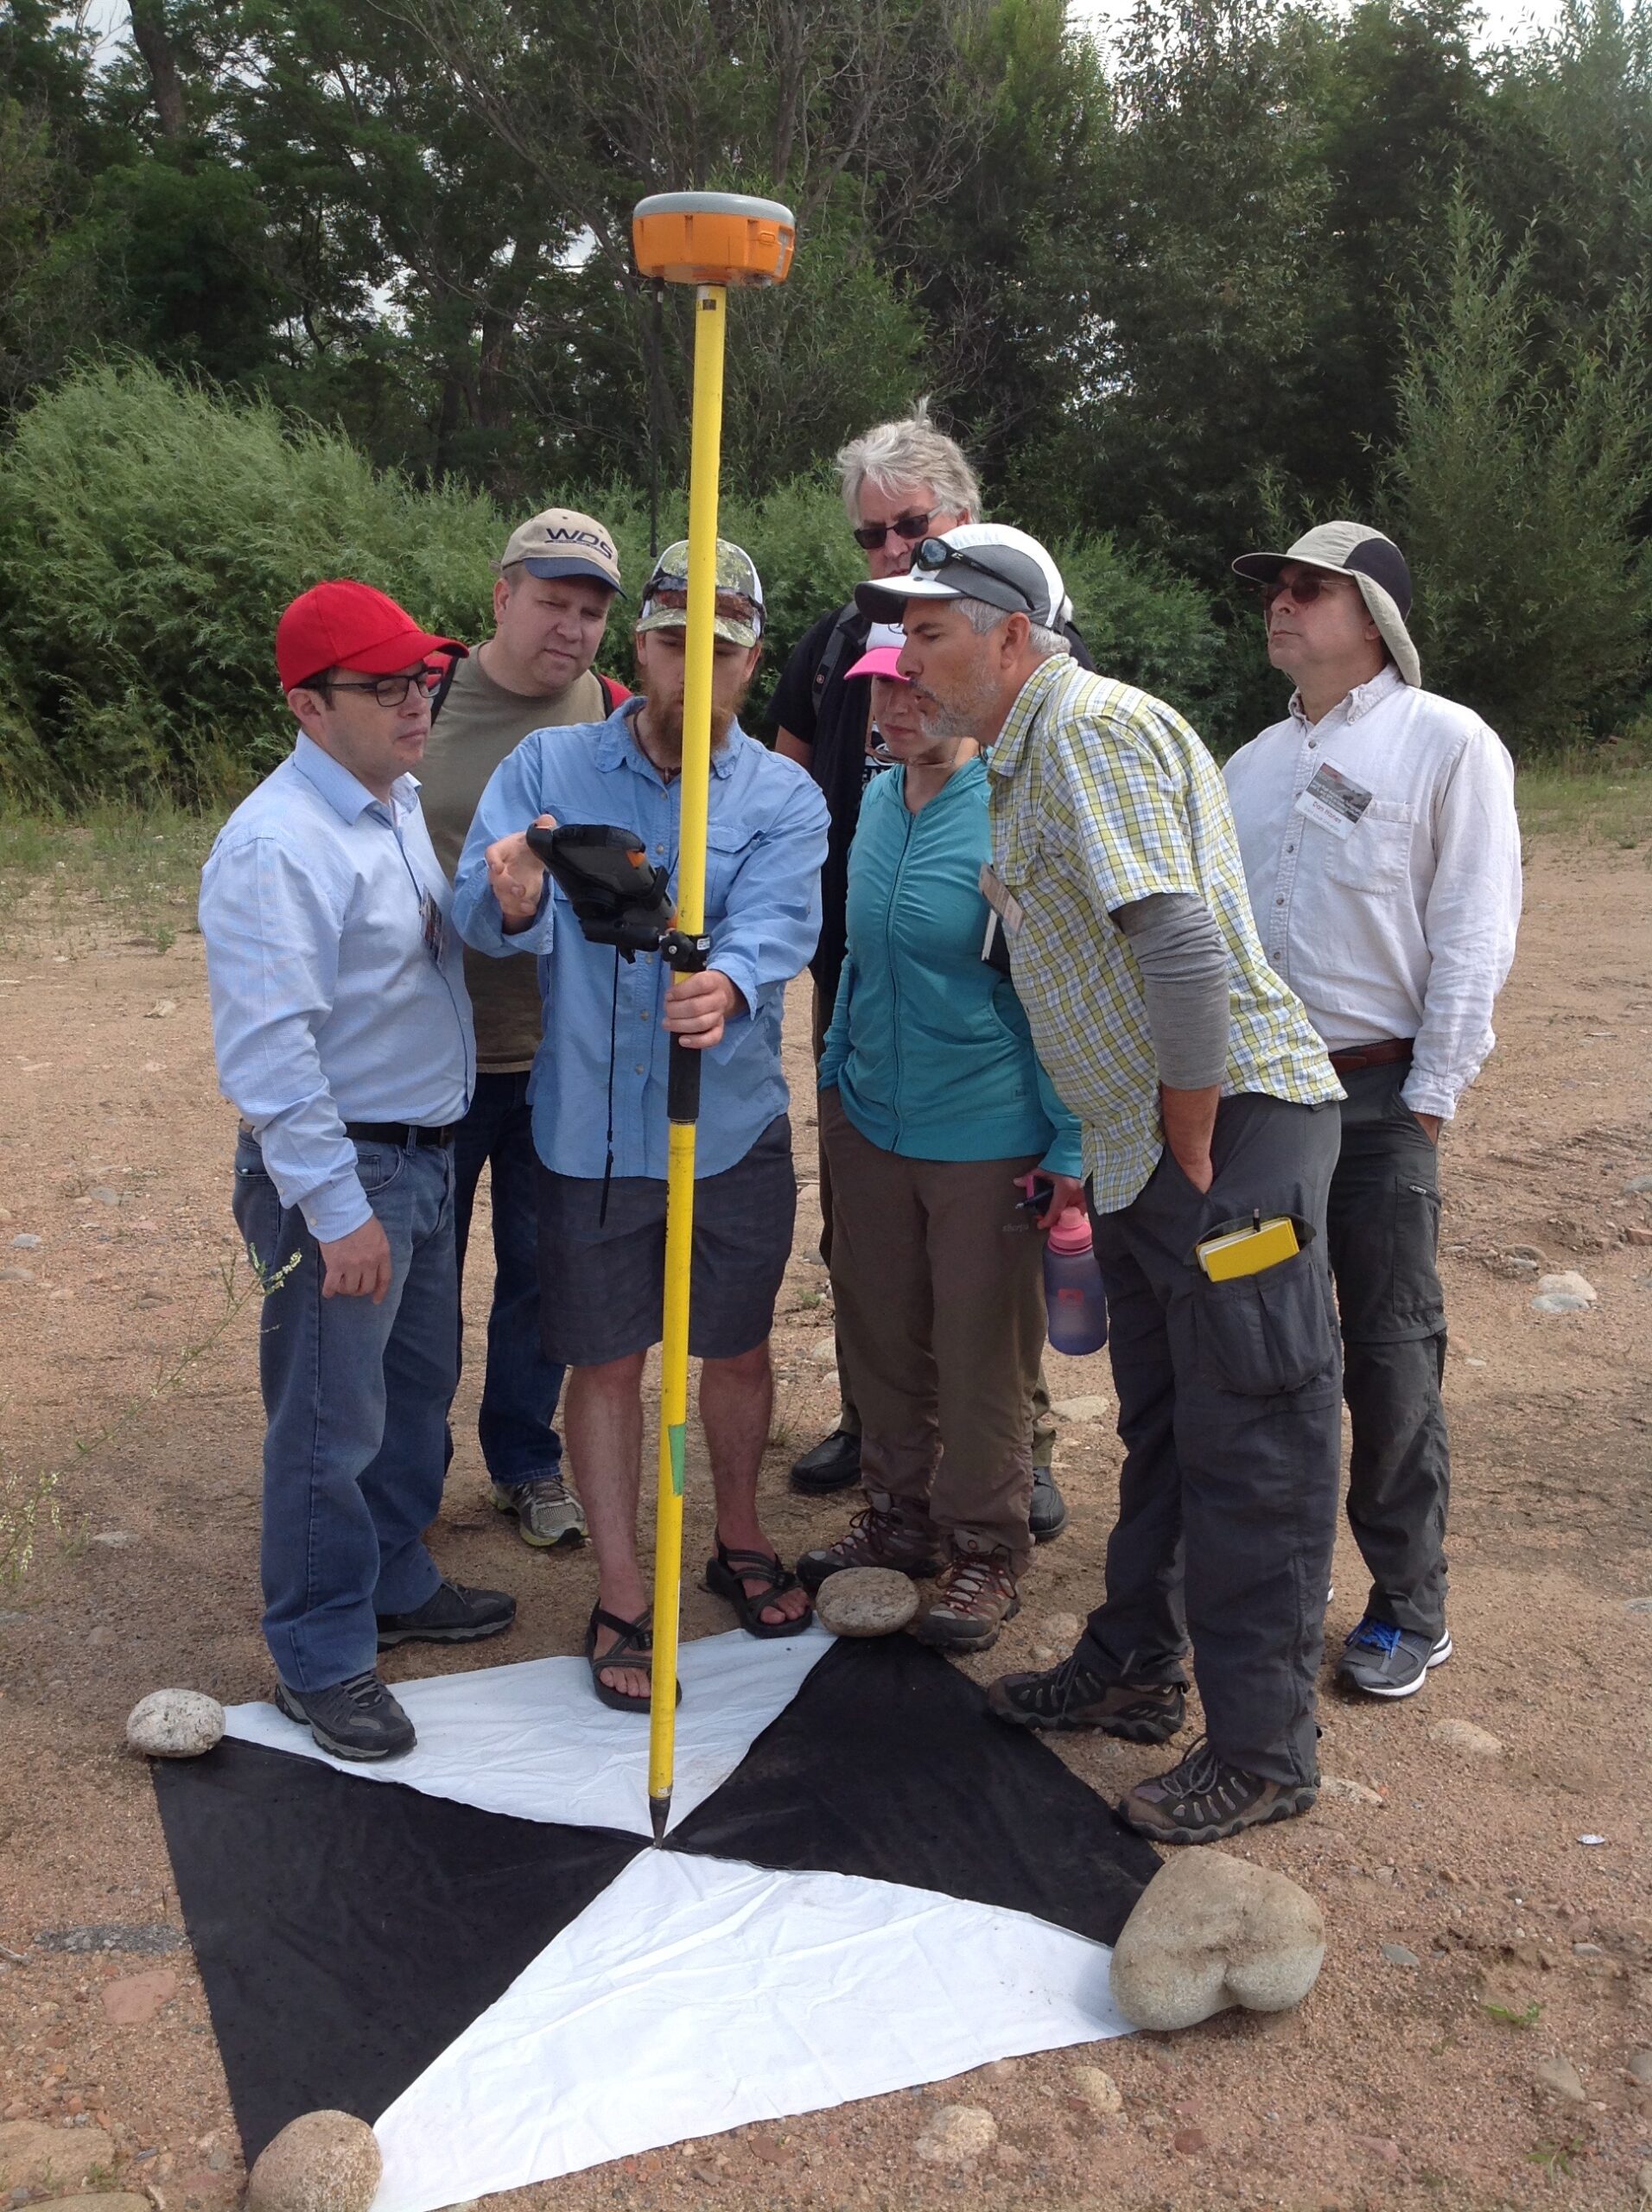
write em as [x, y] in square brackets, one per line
[765, 843]
[337, 978]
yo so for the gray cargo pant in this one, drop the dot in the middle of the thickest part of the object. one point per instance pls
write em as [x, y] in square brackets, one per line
[1230, 1414]
[1384, 1233]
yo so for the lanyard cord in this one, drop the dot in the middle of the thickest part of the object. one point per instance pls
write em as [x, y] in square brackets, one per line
[613, 1036]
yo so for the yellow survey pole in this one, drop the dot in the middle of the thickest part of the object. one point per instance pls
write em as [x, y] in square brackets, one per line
[710, 240]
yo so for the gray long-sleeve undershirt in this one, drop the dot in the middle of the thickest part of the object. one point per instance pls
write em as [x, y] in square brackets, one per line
[1183, 963]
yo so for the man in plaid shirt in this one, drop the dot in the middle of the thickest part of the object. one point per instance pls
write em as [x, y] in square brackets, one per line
[1209, 1108]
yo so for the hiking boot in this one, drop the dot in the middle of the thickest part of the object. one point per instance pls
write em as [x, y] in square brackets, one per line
[834, 1464]
[548, 1515]
[881, 1536]
[1074, 1695]
[451, 1614]
[1047, 1515]
[1388, 1662]
[1202, 1799]
[356, 1720]
[974, 1597]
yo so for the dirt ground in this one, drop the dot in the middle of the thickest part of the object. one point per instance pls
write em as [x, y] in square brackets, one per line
[1516, 1881]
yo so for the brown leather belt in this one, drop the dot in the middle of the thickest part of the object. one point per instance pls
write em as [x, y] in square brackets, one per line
[1382, 1054]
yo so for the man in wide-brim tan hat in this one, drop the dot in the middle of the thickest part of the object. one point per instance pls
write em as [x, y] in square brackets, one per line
[1376, 823]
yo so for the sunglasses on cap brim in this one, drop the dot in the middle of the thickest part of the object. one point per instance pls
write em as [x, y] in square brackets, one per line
[934, 554]
[732, 605]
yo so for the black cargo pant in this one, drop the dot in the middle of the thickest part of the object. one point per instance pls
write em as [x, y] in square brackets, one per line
[1230, 1414]
[1384, 1237]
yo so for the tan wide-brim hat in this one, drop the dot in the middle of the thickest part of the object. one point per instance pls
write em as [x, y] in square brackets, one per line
[1377, 566]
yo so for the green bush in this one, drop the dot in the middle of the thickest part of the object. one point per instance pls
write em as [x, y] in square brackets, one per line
[152, 532]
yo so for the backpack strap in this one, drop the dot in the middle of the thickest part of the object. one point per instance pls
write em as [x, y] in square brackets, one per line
[439, 696]
[838, 651]
[613, 692]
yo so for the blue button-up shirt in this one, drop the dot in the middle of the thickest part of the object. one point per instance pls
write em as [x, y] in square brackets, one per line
[765, 843]
[337, 979]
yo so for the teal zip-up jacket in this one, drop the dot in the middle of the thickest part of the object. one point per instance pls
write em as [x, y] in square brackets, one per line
[929, 1048]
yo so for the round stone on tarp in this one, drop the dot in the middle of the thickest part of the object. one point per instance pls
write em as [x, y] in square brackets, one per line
[867, 1601]
[321, 2162]
[174, 1724]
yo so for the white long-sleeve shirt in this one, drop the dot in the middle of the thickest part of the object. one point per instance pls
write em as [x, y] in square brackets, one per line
[1383, 856]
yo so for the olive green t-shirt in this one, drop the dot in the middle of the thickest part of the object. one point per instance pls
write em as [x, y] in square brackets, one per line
[480, 724]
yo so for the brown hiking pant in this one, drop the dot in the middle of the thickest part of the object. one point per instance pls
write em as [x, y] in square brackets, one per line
[938, 1283]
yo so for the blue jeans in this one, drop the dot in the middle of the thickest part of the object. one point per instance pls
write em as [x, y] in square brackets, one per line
[520, 1386]
[355, 1398]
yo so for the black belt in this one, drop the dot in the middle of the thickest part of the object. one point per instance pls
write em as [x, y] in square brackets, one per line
[404, 1135]
[1380, 1055]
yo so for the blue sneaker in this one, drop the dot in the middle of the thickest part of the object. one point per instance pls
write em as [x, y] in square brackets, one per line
[1388, 1662]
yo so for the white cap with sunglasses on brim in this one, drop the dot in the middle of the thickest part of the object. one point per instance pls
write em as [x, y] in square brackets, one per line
[739, 618]
[986, 560]
[884, 646]
[1377, 565]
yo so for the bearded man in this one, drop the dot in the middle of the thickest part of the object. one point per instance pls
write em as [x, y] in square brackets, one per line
[608, 1024]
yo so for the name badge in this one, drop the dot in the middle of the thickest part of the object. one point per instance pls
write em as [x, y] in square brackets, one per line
[1336, 802]
[1003, 902]
[433, 927]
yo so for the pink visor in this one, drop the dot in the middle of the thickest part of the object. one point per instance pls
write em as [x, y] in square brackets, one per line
[884, 645]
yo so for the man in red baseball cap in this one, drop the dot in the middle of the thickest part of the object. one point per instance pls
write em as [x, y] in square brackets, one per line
[343, 1035]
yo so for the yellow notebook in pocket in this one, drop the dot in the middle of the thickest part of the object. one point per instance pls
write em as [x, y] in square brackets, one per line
[1250, 1251]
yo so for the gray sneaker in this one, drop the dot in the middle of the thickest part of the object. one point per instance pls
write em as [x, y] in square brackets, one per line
[548, 1515]
[1388, 1662]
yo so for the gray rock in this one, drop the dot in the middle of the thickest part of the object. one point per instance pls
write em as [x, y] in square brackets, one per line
[1567, 1284]
[1096, 1406]
[867, 1601]
[1209, 1932]
[1638, 1606]
[957, 2135]
[321, 2162]
[1643, 2180]
[1060, 1631]
[1466, 1736]
[1098, 2090]
[16, 1274]
[27, 1244]
[1397, 1955]
[1560, 1301]
[174, 1724]
[104, 1196]
[1639, 2066]
[1637, 1183]
[1352, 1793]
[34, 2155]
[1561, 2079]
[150, 1938]
[114, 1538]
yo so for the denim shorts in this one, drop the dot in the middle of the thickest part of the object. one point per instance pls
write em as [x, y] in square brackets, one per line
[601, 1283]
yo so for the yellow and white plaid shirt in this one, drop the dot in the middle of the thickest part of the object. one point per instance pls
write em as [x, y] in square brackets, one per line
[1101, 795]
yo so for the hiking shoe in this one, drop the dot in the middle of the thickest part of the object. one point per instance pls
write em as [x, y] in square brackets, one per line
[881, 1536]
[974, 1597]
[1047, 1515]
[834, 1464]
[1388, 1662]
[1202, 1799]
[1074, 1695]
[451, 1614]
[356, 1720]
[548, 1515]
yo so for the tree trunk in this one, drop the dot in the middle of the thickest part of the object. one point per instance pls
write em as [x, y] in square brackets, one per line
[153, 42]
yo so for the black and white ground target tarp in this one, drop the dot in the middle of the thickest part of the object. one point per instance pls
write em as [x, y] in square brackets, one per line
[867, 1884]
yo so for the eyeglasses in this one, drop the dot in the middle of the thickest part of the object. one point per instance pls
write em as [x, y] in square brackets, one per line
[1303, 590]
[870, 534]
[392, 691]
[934, 554]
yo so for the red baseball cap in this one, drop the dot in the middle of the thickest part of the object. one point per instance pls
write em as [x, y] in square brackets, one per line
[350, 626]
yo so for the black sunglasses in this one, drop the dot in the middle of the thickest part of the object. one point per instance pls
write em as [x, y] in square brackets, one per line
[871, 535]
[934, 554]
[1303, 590]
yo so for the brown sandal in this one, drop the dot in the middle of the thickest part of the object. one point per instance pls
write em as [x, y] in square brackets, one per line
[635, 1648]
[727, 1576]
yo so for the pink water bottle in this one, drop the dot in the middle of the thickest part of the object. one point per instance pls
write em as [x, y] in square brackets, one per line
[1072, 1287]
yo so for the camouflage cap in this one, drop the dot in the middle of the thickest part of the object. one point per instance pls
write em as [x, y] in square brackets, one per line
[739, 593]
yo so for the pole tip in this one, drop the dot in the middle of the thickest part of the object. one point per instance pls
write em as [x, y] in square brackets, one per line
[660, 1811]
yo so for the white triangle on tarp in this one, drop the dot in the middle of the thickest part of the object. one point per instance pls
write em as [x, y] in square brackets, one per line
[699, 1994]
[532, 1739]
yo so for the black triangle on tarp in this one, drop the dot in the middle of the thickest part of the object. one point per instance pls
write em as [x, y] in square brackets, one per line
[346, 1931]
[888, 1765]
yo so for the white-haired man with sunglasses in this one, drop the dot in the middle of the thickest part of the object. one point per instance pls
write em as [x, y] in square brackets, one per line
[343, 1035]
[1381, 846]
[903, 481]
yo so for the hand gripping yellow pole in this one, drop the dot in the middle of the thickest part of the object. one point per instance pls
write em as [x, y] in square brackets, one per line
[710, 240]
